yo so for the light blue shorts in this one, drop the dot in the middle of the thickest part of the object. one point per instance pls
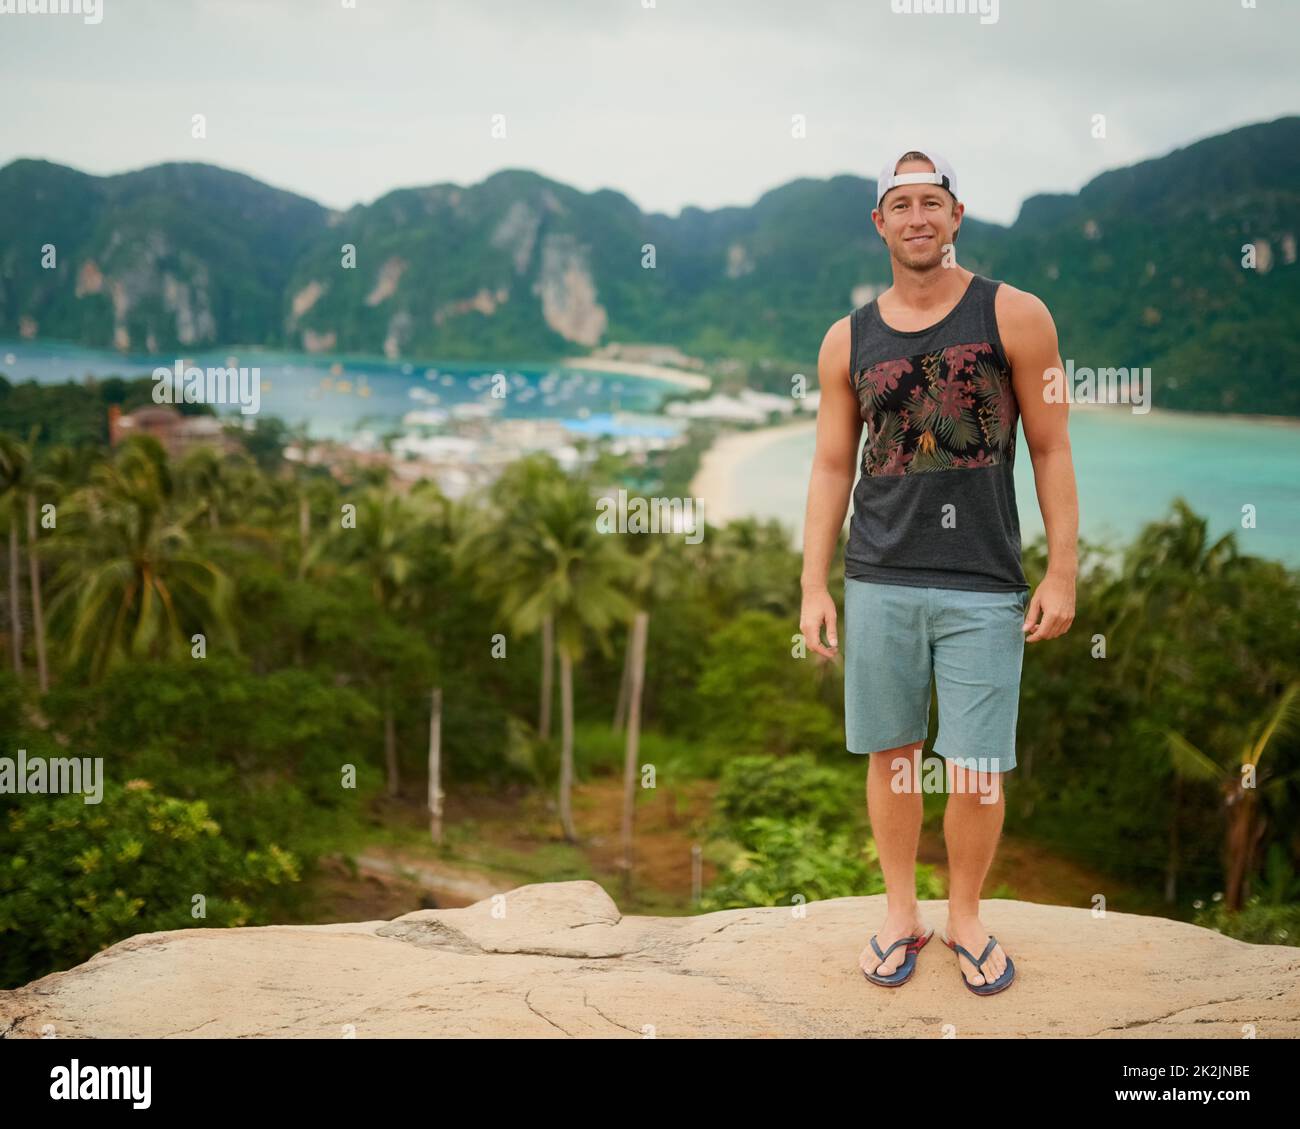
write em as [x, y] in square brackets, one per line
[896, 637]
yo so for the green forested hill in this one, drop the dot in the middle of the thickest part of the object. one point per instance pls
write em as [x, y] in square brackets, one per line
[1141, 268]
[179, 254]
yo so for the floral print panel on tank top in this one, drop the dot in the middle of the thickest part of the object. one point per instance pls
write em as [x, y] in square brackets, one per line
[943, 410]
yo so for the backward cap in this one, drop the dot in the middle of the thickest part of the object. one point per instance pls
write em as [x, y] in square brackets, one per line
[943, 174]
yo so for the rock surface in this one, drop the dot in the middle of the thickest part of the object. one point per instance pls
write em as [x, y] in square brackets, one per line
[558, 959]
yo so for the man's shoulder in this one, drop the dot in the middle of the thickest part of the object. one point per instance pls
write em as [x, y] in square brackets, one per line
[1018, 304]
[1021, 314]
[833, 358]
[837, 336]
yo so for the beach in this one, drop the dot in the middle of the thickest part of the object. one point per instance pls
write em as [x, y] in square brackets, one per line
[715, 482]
[682, 379]
[1128, 470]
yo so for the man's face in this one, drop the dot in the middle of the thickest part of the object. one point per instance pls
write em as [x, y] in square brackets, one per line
[918, 220]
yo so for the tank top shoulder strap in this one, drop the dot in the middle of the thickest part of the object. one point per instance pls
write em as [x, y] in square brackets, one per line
[987, 300]
[855, 336]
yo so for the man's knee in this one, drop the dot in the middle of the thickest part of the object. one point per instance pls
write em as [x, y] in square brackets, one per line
[901, 766]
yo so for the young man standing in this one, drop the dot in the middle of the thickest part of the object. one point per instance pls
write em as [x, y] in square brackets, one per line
[940, 367]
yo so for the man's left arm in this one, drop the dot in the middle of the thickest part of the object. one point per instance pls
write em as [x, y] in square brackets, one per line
[1029, 340]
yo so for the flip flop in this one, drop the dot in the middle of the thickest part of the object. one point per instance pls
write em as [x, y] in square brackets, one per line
[985, 989]
[904, 971]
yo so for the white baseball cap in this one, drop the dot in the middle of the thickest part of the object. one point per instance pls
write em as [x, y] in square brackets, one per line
[943, 174]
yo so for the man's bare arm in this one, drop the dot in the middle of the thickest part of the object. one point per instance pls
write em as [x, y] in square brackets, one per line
[839, 428]
[1029, 338]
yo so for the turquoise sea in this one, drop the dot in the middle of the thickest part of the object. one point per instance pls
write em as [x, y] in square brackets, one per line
[340, 397]
[1129, 468]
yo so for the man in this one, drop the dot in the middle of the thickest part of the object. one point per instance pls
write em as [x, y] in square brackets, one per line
[939, 367]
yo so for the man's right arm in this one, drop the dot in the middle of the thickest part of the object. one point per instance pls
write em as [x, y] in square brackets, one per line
[839, 429]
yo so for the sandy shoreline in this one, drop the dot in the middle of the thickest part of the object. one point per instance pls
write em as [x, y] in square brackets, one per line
[635, 368]
[714, 480]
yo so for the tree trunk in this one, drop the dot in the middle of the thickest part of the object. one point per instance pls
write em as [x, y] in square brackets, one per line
[435, 767]
[390, 750]
[636, 666]
[15, 612]
[620, 707]
[548, 688]
[1171, 865]
[566, 744]
[304, 531]
[38, 615]
[1239, 820]
[1255, 834]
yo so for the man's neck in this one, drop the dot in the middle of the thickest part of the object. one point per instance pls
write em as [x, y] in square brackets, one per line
[930, 289]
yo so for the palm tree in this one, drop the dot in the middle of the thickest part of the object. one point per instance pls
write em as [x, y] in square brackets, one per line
[129, 583]
[544, 557]
[380, 549]
[749, 565]
[575, 574]
[1167, 596]
[659, 573]
[489, 538]
[34, 573]
[20, 482]
[13, 469]
[442, 521]
[201, 476]
[1166, 587]
[1245, 827]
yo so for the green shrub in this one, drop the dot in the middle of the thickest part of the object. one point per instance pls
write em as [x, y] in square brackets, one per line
[783, 788]
[755, 694]
[78, 877]
[1257, 923]
[788, 863]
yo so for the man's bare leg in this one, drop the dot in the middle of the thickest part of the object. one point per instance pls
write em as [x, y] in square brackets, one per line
[894, 805]
[971, 827]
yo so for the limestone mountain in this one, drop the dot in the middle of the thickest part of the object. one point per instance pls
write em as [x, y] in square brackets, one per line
[1143, 267]
[176, 255]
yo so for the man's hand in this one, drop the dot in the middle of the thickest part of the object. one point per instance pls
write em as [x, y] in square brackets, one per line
[818, 608]
[1053, 600]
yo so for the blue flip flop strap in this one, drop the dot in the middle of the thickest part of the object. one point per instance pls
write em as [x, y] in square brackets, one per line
[978, 963]
[900, 941]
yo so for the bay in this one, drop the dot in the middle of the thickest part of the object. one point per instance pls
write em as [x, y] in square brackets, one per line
[335, 397]
[1128, 467]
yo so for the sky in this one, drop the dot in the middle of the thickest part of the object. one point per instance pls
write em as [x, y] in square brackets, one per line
[671, 102]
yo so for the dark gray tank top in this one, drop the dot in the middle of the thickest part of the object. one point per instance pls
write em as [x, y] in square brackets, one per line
[935, 503]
